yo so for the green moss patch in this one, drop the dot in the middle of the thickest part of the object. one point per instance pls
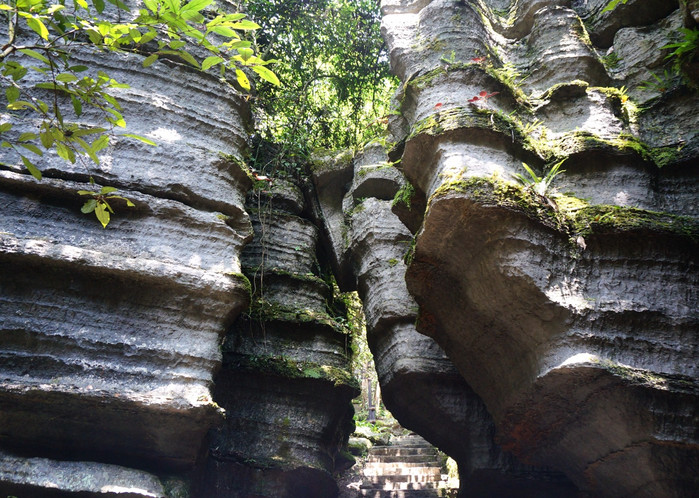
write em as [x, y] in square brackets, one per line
[283, 366]
[262, 310]
[572, 216]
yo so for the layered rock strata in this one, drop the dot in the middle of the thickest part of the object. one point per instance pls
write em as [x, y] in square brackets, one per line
[419, 384]
[573, 316]
[285, 384]
[109, 338]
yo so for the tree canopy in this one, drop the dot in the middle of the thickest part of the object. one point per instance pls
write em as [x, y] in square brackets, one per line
[334, 69]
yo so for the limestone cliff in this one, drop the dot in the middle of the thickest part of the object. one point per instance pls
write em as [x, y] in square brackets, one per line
[570, 308]
[285, 383]
[111, 377]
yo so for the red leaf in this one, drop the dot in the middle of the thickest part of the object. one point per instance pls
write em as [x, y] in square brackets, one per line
[483, 93]
[474, 99]
[494, 93]
[478, 59]
[439, 104]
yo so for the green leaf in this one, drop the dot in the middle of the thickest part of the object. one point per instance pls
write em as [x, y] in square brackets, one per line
[18, 105]
[172, 5]
[233, 17]
[266, 74]
[34, 54]
[534, 176]
[12, 93]
[243, 80]
[38, 27]
[149, 36]
[245, 25]
[25, 137]
[223, 31]
[118, 119]
[55, 8]
[210, 62]
[196, 5]
[31, 168]
[142, 139]
[245, 53]
[150, 60]
[99, 5]
[87, 192]
[102, 214]
[233, 45]
[65, 153]
[49, 86]
[119, 5]
[188, 57]
[77, 105]
[46, 139]
[612, 5]
[88, 149]
[81, 132]
[89, 206]
[66, 77]
[151, 5]
[36, 150]
[108, 190]
[78, 69]
[5, 127]
[101, 143]
[190, 15]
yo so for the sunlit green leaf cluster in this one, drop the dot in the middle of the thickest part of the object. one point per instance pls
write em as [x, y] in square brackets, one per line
[335, 73]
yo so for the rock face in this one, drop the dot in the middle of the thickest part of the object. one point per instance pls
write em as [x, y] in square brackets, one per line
[545, 340]
[285, 383]
[572, 316]
[110, 338]
[419, 384]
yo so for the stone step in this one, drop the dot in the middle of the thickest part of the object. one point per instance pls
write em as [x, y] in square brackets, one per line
[397, 468]
[407, 493]
[379, 483]
[387, 458]
[403, 450]
[400, 478]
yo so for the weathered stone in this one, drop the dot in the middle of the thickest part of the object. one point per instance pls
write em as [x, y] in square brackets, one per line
[109, 338]
[282, 242]
[276, 195]
[419, 384]
[374, 175]
[603, 26]
[332, 177]
[28, 477]
[556, 307]
[516, 282]
[105, 331]
[285, 382]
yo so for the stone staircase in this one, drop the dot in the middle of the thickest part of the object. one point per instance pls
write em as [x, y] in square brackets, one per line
[408, 468]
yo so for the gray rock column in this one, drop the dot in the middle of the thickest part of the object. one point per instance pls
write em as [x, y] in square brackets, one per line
[573, 315]
[109, 338]
[286, 383]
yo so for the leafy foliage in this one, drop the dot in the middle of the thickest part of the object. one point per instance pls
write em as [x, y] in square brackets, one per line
[684, 49]
[99, 205]
[335, 74]
[41, 81]
[539, 185]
